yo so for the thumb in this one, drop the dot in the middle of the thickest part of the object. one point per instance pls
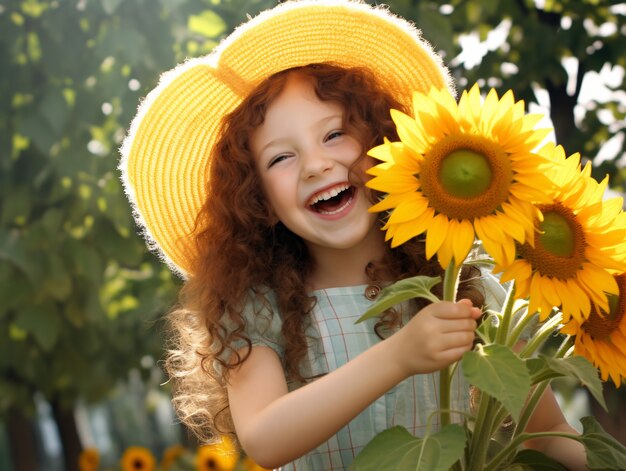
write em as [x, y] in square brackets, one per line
[475, 312]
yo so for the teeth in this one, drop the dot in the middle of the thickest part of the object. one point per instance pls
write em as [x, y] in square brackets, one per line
[326, 195]
[338, 210]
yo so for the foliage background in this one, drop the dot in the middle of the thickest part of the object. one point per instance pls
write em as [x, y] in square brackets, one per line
[80, 298]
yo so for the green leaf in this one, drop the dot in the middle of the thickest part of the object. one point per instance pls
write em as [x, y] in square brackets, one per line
[16, 206]
[54, 109]
[36, 127]
[576, 366]
[603, 451]
[403, 290]
[208, 24]
[488, 328]
[535, 460]
[497, 371]
[85, 259]
[42, 322]
[15, 288]
[57, 283]
[109, 6]
[396, 449]
[52, 220]
[12, 248]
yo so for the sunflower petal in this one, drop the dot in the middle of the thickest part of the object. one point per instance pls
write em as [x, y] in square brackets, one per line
[463, 239]
[436, 235]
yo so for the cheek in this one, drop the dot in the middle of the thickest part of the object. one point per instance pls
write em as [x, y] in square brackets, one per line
[359, 171]
[277, 192]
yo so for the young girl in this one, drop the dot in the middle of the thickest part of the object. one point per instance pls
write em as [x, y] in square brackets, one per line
[246, 171]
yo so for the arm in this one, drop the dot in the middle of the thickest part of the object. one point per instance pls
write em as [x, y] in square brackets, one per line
[548, 417]
[276, 427]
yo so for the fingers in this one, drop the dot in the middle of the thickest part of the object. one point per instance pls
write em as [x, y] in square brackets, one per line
[475, 312]
[459, 325]
[456, 340]
[460, 310]
[437, 336]
[445, 349]
[449, 356]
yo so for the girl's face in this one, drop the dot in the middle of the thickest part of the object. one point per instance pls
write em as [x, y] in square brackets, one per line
[304, 157]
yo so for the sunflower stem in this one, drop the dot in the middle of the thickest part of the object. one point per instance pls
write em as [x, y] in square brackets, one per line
[540, 337]
[482, 432]
[564, 348]
[507, 312]
[520, 326]
[521, 438]
[450, 285]
[533, 400]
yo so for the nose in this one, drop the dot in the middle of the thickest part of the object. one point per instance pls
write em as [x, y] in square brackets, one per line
[315, 162]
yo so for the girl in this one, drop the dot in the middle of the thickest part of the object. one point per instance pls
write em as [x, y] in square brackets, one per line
[246, 170]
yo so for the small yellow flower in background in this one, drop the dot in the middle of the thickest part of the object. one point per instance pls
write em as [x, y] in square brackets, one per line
[170, 455]
[601, 338]
[461, 171]
[89, 459]
[577, 248]
[250, 465]
[220, 456]
[137, 458]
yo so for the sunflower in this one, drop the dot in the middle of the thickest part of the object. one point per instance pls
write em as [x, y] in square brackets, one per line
[89, 459]
[601, 338]
[577, 248]
[137, 458]
[219, 456]
[170, 455]
[461, 171]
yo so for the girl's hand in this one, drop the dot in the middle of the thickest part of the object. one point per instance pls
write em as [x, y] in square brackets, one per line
[435, 337]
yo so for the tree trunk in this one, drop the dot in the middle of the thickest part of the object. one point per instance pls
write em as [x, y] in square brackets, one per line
[562, 115]
[66, 424]
[21, 440]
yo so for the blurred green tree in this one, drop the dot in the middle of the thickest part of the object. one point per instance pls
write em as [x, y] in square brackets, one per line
[79, 295]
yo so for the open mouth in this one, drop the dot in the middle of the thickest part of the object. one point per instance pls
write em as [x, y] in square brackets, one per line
[333, 200]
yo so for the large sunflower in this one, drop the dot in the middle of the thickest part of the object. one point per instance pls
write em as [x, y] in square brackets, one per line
[137, 458]
[461, 171]
[601, 338]
[578, 246]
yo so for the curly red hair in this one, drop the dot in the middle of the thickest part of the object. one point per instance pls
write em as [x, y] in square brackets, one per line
[244, 250]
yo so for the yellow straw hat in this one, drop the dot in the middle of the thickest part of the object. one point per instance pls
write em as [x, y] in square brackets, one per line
[166, 154]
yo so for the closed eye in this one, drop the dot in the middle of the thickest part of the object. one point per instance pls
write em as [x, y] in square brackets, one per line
[277, 159]
[334, 134]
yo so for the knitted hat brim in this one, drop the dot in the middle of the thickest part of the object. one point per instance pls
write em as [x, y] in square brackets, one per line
[166, 154]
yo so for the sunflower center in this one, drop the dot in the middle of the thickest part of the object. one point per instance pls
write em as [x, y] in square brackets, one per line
[466, 177]
[465, 173]
[556, 235]
[559, 249]
[600, 325]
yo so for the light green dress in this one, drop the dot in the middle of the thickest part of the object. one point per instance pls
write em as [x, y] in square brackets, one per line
[334, 339]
